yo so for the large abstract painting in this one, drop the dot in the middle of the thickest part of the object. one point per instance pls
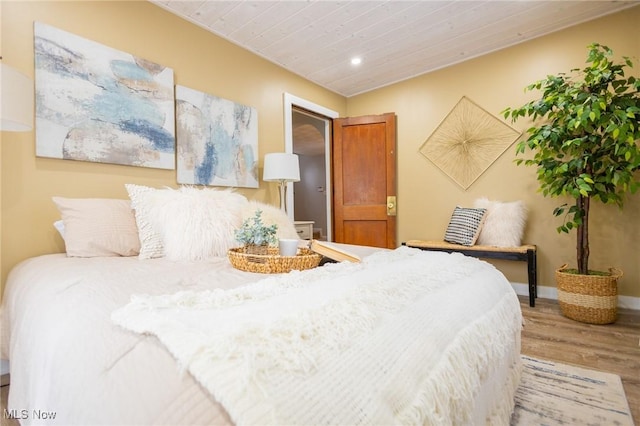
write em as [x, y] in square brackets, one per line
[217, 140]
[467, 142]
[95, 103]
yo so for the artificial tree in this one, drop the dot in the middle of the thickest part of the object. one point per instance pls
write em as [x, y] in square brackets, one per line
[586, 145]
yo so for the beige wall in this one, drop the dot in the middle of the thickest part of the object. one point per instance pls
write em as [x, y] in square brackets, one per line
[426, 196]
[199, 59]
[210, 64]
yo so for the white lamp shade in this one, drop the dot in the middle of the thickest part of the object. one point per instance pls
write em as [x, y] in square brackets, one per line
[16, 97]
[281, 167]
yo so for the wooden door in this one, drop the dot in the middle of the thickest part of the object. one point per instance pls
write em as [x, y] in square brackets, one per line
[364, 176]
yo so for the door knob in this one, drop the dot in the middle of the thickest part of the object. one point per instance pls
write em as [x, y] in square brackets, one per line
[391, 205]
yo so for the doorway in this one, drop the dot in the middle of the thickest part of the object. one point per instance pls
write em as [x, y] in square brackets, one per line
[310, 194]
[356, 205]
[308, 134]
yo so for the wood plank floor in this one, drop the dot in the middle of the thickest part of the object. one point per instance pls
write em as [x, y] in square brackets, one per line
[614, 348]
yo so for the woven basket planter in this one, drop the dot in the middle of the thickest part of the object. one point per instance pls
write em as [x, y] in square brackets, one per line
[256, 249]
[592, 299]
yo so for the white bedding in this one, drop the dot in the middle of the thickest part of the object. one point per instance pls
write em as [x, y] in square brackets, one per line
[68, 358]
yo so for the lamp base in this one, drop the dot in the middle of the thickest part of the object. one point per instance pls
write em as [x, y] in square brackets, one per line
[283, 196]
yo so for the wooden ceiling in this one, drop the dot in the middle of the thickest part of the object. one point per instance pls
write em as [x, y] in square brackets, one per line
[395, 40]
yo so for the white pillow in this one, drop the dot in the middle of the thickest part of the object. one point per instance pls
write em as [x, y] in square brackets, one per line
[97, 227]
[271, 215]
[188, 223]
[143, 200]
[59, 225]
[504, 223]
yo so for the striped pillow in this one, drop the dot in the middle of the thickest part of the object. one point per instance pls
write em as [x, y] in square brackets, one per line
[464, 226]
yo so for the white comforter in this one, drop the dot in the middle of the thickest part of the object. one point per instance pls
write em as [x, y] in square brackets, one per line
[69, 359]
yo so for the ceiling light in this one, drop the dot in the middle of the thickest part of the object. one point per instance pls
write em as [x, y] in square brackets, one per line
[355, 61]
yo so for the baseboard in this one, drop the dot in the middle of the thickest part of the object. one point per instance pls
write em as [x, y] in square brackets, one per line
[625, 302]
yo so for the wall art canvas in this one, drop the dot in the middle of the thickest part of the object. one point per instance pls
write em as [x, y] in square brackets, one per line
[95, 103]
[467, 142]
[217, 140]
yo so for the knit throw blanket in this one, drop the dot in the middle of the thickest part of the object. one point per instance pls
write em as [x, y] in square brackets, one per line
[405, 337]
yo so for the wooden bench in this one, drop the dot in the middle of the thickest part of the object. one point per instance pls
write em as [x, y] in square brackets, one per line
[526, 253]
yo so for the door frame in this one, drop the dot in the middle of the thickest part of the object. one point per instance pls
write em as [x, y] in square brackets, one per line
[289, 102]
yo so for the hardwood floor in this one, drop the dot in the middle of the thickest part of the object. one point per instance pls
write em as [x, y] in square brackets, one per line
[614, 348]
[4, 421]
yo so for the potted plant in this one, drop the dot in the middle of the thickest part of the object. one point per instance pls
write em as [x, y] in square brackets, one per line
[255, 235]
[585, 146]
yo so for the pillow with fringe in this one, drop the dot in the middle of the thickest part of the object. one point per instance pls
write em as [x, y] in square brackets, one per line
[504, 223]
[187, 223]
[143, 201]
[271, 215]
[97, 227]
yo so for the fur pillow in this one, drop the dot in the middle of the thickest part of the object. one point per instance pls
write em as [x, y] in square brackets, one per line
[188, 223]
[504, 224]
[96, 227]
[271, 215]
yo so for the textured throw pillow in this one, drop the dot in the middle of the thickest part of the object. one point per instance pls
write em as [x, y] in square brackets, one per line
[96, 227]
[504, 223]
[143, 200]
[199, 224]
[271, 215]
[464, 226]
[187, 223]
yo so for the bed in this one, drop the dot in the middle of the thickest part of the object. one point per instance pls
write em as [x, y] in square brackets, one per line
[404, 336]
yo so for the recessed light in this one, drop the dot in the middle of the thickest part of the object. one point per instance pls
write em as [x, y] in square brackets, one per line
[356, 61]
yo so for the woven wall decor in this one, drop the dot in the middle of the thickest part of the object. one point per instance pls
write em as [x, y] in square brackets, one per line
[467, 142]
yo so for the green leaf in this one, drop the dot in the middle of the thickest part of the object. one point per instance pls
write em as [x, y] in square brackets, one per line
[585, 133]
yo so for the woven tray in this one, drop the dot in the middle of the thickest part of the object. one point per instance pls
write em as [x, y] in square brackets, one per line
[272, 263]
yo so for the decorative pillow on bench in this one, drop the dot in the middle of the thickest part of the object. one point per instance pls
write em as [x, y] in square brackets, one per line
[464, 226]
[504, 223]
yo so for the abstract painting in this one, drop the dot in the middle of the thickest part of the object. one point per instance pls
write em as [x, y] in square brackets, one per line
[217, 140]
[467, 142]
[95, 103]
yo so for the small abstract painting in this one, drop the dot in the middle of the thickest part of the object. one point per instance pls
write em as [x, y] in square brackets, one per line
[467, 142]
[217, 140]
[95, 103]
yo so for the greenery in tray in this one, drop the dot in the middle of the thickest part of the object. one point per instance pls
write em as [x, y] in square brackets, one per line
[254, 232]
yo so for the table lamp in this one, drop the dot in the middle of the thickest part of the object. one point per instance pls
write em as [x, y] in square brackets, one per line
[282, 168]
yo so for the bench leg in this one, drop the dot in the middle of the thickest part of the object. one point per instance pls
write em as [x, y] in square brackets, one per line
[532, 269]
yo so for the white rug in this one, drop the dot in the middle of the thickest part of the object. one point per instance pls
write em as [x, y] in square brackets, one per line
[551, 393]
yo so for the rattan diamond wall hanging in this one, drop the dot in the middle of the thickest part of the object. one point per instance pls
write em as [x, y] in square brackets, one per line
[467, 142]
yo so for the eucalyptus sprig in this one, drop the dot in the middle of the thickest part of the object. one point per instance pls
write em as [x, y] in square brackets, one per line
[254, 232]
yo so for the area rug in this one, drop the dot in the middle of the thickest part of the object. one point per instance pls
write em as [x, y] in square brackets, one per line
[551, 393]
